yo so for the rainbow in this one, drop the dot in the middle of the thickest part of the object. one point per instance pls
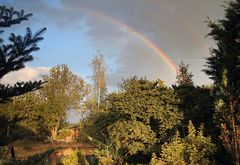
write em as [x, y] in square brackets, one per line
[142, 37]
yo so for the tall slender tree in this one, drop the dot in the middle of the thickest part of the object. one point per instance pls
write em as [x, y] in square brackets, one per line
[17, 52]
[99, 78]
[223, 66]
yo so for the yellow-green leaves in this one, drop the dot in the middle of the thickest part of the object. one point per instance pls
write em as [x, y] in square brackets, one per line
[144, 113]
[131, 135]
[194, 149]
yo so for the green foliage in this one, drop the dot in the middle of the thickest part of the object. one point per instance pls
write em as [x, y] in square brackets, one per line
[95, 125]
[148, 102]
[223, 68]
[25, 120]
[10, 17]
[63, 91]
[42, 112]
[27, 108]
[173, 152]
[141, 115]
[71, 159]
[18, 119]
[156, 161]
[105, 152]
[184, 77]
[104, 156]
[99, 79]
[197, 105]
[16, 53]
[13, 57]
[75, 158]
[133, 136]
[199, 148]
[194, 149]
[64, 133]
[82, 158]
[37, 159]
[4, 153]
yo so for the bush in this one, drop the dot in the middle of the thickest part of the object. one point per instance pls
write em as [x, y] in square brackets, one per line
[64, 133]
[75, 158]
[194, 149]
[104, 157]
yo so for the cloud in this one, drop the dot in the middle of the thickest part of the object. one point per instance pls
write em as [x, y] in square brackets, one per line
[175, 26]
[26, 74]
[170, 24]
[137, 59]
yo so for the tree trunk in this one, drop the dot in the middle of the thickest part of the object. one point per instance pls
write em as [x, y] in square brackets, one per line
[235, 138]
[54, 130]
[53, 134]
[99, 93]
[12, 151]
[13, 155]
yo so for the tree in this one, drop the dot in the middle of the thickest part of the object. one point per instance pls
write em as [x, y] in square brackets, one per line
[194, 149]
[97, 116]
[184, 77]
[143, 115]
[17, 52]
[23, 106]
[173, 152]
[27, 107]
[99, 79]
[223, 68]
[196, 103]
[63, 91]
[13, 57]
[131, 137]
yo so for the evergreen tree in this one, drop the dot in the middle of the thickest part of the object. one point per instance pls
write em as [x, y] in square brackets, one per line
[194, 149]
[223, 66]
[196, 103]
[13, 56]
[184, 77]
[17, 52]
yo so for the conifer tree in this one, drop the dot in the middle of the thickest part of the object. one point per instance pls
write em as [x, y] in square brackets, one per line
[194, 149]
[13, 56]
[196, 102]
[184, 77]
[17, 52]
[223, 67]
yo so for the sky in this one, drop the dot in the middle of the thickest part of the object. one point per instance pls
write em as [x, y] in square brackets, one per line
[145, 38]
